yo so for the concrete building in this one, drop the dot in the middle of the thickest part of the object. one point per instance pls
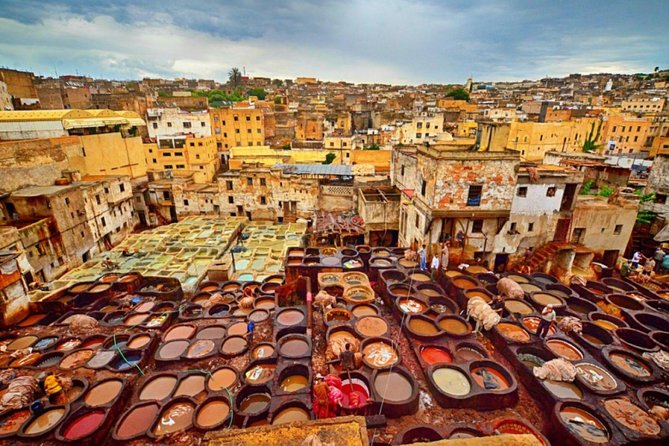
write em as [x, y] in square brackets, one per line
[421, 128]
[658, 182]
[174, 121]
[185, 155]
[14, 299]
[237, 126]
[626, 134]
[21, 87]
[5, 98]
[644, 104]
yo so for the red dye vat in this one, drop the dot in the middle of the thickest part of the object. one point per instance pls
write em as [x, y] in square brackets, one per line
[433, 355]
[355, 395]
[84, 425]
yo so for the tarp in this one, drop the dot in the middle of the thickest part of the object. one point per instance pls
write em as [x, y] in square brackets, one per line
[663, 235]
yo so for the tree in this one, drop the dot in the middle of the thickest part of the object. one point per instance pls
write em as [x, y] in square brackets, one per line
[459, 94]
[163, 94]
[645, 217]
[329, 158]
[590, 143]
[277, 82]
[373, 147]
[257, 92]
[277, 99]
[235, 77]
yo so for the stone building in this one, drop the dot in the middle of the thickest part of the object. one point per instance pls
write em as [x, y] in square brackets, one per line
[658, 182]
[5, 98]
[185, 155]
[21, 88]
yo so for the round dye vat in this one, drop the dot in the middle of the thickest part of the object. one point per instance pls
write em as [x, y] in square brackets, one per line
[238, 329]
[135, 319]
[291, 415]
[455, 326]
[214, 332]
[234, 345]
[31, 320]
[191, 385]
[476, 269]
[260, 373]
[179, 332]
[359, 294]
[223, 378]
[490, 379]
[83, 425]
[139, 341]
[200, 348]
[531, 324]
[93, 342]
[464, 283]
[423, 327]
[451, 381]
[262, 351]
[99, 288]
[411, 306]
[76, 359]
[544, 299]
[419, 277]
[158, 388]
[518, 306]
[583, 424]
[294, 383]
[478, 293]
[435, 355]
[258, 315]
[144, 307]
[12, 422]
[176, 417]
[596, 377]
[563, 390]
[594, 340]
[606, 325]
[44, 422]
[27, 360]
[564, 349]
[379, 355]
[364, 310]
[337, 315]
[354, 391]
[400, 289]
[530, 287]
[101, 359]
[22, 342]
[103, 393]
[465, 354]
[255, 403]
[631, 416]
[512, 332]
[518, 279]
[172, 349]
[49, 360]
[45, 343]
[629, 364]
[294, 348]
[371, 326]
[212, 413]
[74, 392]
[264, 304]
[393, 386]
[137, 421]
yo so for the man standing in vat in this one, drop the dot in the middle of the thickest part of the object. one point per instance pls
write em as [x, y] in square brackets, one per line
[547, 317]
[434, 266]
[249, 333]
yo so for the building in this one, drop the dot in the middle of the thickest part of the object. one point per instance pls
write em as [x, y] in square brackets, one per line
[237, 126]
[310, 127]
[642, 104]
[174, 121]
[625, 133]
[421, 128]
[21, 87]
[5, 98]
[185, 155]
[14, 299]
[658, 183]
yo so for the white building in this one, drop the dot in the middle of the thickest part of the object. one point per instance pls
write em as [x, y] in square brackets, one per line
[173, 121]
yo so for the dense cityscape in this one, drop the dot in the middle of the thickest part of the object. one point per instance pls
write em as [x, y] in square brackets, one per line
[254, 260]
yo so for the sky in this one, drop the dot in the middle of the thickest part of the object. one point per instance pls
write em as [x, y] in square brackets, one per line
[385, 41]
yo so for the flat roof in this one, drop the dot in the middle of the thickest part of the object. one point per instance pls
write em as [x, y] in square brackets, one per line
[316, 169]
[38, 191]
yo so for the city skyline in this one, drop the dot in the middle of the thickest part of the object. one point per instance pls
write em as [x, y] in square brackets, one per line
[407, 42]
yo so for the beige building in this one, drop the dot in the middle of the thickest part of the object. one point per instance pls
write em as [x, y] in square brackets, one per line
[644, 104]
[421, 128]
[174, 121]
[5, 98]
[184, 155]
[237, 126]
[626, 133]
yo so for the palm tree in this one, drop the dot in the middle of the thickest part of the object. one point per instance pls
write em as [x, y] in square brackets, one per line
[235, 77]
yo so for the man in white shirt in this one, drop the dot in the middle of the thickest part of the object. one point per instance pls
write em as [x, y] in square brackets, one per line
[547, 317]
[434, 266]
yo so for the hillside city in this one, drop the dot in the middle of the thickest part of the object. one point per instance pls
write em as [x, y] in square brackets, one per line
[392, 254]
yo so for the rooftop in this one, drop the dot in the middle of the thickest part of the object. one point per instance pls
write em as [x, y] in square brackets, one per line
[316, 169]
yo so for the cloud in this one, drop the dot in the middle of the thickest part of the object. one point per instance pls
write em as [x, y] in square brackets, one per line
[394, 41]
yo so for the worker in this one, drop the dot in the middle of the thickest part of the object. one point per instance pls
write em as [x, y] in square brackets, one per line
[422, 256]
[320, 399]
[434, 266]
[347, 358]
[547, 317]
[665, 264]
[249, 332]
[444, 255]
[53, 388]
[636, 258]
[659, 256]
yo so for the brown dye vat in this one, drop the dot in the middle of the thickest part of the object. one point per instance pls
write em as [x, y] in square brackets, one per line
[359, 294]
[518, 279]
[454, 326]
[262, 351]
[290, 317]
[212, 413]
[630, 365]
[512, 332]
[294, 383]
[103, 393]
[80, 288]
[176, 417]
[429, 292]
[592, 339]
[12, 422]
[255, 403]
[200, 299]
[136, 421]
[564, 390]
[291, 415]
[530, 287]
[393, 386]
[200, 348]
[409, 264]
[260, 374]
[435, 355]
[221, 379]
[583, 423]
[423, 327]
[93, 341]
[99, 288]
[354, 278]
[476, 269]
[379, 355]
[531, 324]
[232, 286]
[44, 422]
[419, 277]
[74, 392]
[364, 310]
[191, 385]
[451, 381]
[139, 341]
[135, 319]
[631, 416]
[233, 345]
[76, 359]
[264, 304]
[465, 354]
[26, 360]
[596, 377]
[214, 332]
[144, 307]
[294, 261]
[544, 299]
[32, 320]
[294, 348]
[496, 381]
[237, 329]
[606, 325]
[381, 263]
[172, 349]
[337, 315]
[518, 306]
[22, 342]
[411, 306]
[344, 336]
[129, 278]
[400, 290]
[564, 349]
[371, 326]
[158, 388]
[476, 293]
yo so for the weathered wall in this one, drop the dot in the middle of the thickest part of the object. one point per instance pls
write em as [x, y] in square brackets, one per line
[599, 219]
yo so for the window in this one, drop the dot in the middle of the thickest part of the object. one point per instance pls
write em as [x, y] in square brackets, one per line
[522, 191]
[257, 118]
[541, 137]
[217, 130]
[154, 160]
[236, 118]
[181, 166]
[402, 171]
[121, 187]
[192, 144]
[419, 135]
[419, 125]
[248, 118]
[477, 226]
[102, 220]
[530, 227]
[197, 156]
[618, 230]
[423, 187]
[166, 195]
[512, 228]
[248, 130]
[258, 131]
[187, 125]
[97, 199]
[185, 202]
[263, 200]
[236, 130]
[155, 125]
[417, 221]
[169, 124]
[249, 181]
[199, 144]
[228, 185]
[614, 128]
[168, 166]
[67, 201]
[167, 154]
[231, 199]
[331, 144]
[178, 154]
[107, 190]
[474, 195]
[202, 124]
[550, 192]
[263, 182]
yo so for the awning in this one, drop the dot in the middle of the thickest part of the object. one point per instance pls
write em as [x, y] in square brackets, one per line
[663, 235]
[137, 122]
[82, 123]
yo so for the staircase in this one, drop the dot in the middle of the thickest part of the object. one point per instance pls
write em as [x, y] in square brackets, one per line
[540, 256]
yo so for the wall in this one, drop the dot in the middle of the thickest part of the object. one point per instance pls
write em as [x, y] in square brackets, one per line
[110, 154]
[235, 127]
[172, 121]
